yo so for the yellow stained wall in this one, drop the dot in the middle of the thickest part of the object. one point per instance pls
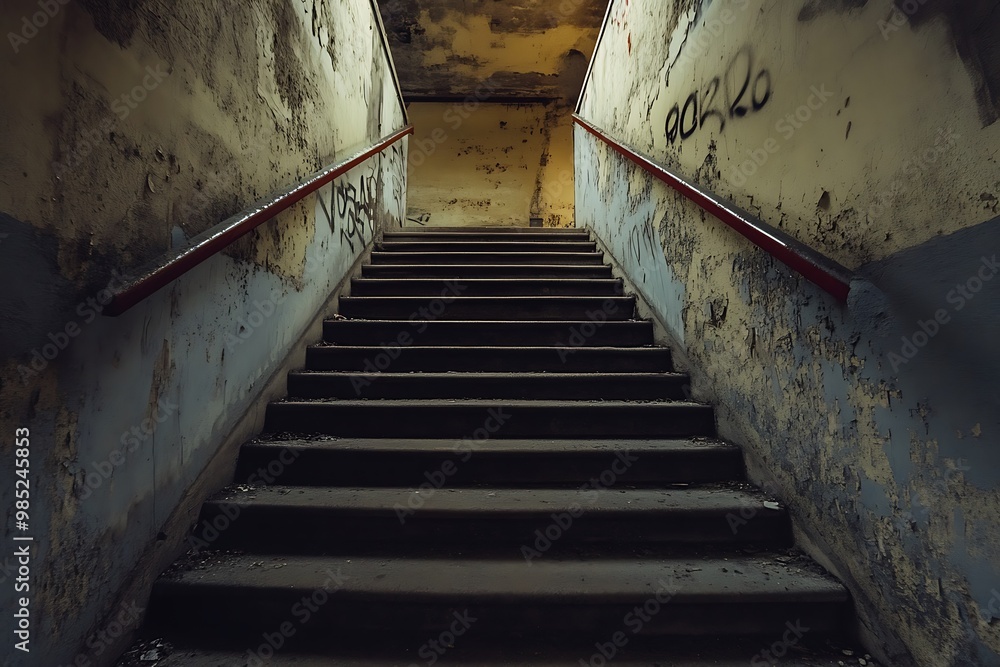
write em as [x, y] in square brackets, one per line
[868, 131]
[490, 164]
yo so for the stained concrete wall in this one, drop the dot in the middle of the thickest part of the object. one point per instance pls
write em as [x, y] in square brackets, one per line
[474, 163]
[528, 49]
[492, 86]
[867, 131]
[135, 127]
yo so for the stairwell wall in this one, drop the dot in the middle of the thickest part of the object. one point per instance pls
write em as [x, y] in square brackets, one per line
[133, 127]
[868, 131]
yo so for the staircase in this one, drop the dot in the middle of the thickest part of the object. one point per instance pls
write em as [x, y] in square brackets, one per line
[488, 462]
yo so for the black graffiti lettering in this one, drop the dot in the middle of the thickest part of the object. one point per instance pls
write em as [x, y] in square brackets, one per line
[690, 104]
[760, 100]
[673, 123]
[736, 108]
[707, 110]
[747, 89]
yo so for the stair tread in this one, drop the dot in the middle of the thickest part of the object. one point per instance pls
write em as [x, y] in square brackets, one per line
[552, 281]
[646, 349]
[501, 253]
[477, 502]
[487, 403]
[487, 246]
[498, 297]
[562, 268]
[513, 324]
[704, 653]
[462, 375]
[537, 446]
[741, 578]
[512, 229]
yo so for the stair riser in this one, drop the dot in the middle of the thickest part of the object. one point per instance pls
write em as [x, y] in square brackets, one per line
[460, 421]
[469, 467]
[466, 258]
[487, 246]
[490, 360]
[528, 334]
[305, 385]
[250, 614]
[502, 271]
[523, 287]
[596, 310]
[315, 531]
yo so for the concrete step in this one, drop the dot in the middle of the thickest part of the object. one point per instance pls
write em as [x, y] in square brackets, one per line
[487, 246]
[397, 358]
[472, 271]
[533, 235]
[540, 519]
[511, 308]
[546, 386]
[491, 418]
[477, 258]
[490, 333]
[498, 463]
[479, 287]
[573, 651]
[392, 596]
[477, 232]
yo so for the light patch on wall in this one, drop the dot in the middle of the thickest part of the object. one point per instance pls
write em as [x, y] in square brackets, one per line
[496, 164]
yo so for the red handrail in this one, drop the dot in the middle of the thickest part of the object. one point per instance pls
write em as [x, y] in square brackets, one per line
[818, 268]
[176, 263]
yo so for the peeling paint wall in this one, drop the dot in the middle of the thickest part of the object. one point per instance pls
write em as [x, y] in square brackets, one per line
[870, 134]
[492, 85]
[490, 164]
[135, 127]
[529, 49]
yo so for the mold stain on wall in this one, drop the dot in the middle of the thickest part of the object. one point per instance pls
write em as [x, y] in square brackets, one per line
[887, 467]
[141, 125]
